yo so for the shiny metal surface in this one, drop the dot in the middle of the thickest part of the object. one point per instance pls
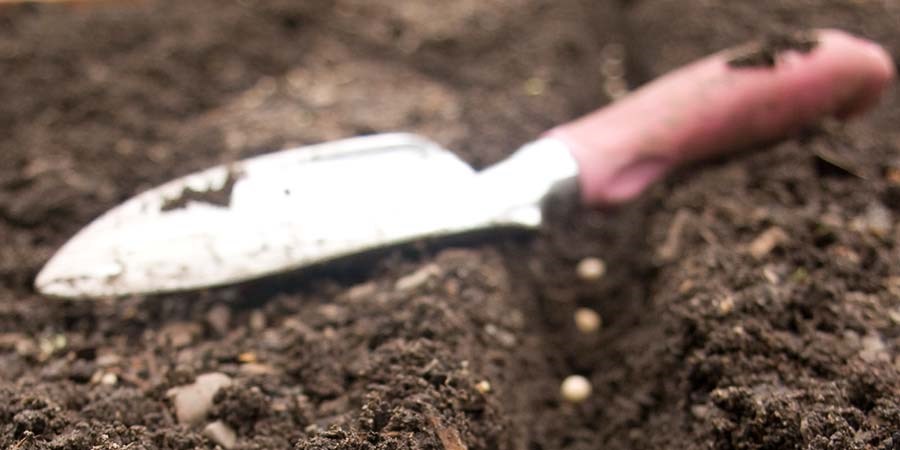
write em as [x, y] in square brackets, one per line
[297, 207]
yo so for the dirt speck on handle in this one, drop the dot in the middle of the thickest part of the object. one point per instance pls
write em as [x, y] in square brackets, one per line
[766, 51]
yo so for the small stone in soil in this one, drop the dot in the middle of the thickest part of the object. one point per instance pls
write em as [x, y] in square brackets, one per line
[362, 291]
[505, 338]
[894, 315]
[771, 274]
[767, 241]
[332, 313]
[257, 321]
[258, 369]
[587, 320]
[219, 318]
[192, 402]
[109, 379]
[448, 436]
[575, 389]
[726, 305]
[873, 349]
[108, 359]
[179, 334]
[591, 269]
[700, 411]
[878, 220]
[417, 278]
[26, 347]
[220, 433]
[483, 386]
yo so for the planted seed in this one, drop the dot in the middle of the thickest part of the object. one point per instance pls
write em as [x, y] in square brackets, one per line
[587, 320]
[591, 269]
[575, 389]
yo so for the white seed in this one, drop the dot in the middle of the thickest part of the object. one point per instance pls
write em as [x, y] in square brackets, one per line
[483, 386]
[587, 320]
[575, 389]
[591, 269]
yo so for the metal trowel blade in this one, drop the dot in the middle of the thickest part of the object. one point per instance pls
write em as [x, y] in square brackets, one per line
[274, 213]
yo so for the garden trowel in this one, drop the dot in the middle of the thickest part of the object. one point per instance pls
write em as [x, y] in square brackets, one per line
[293, 208]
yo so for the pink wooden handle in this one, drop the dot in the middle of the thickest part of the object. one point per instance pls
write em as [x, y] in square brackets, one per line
[709, 107]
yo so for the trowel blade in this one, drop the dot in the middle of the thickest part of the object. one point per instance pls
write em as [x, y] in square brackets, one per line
[274, 213]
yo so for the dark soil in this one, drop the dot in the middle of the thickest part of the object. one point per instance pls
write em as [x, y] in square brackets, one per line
[752, 305]
[215, 196]
[765, 53]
